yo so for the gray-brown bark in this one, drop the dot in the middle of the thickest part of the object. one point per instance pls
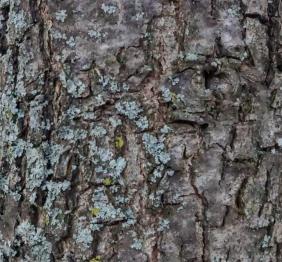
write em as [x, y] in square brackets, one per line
[140, 130]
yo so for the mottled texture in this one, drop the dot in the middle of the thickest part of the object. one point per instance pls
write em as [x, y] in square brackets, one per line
[140, 130]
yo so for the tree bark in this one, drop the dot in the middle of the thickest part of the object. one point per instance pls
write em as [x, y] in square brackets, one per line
[140, 130]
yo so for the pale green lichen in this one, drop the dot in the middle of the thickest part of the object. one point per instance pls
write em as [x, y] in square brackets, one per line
[71, 42]
[133, 110]
[121, 199]
[96, 259]
[109, 9]
[166, 94]
[234, 11]
[77, 112]
[156, 198]
[166, 129]
[191, 57]
[105, 210]
[61, 15]
[157, 173]
[99, 154]
[36, 166]
[129, 108]
[6, 249]
[34, 238]
[137, 244]
[139, 16]
[265, 242]
[4, 3]
[104, 157]
[98, 131]
[142, 122]
[99, 35]
[83, 235]
[19, 20]
[5, 188]
[67, 133]
[163, 225]
[54, 189]
[56, 34]
[109, 84]
[36, 108]
[53, 151]
[18, 148]
[174, 80]
[73, 112]
[130, 218]
[9, 116]
[155, 147]
[56, 216]
[115, 122]
[74, 87]
[117, 166]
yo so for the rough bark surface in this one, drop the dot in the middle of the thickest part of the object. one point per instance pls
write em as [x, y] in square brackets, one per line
[140, 130]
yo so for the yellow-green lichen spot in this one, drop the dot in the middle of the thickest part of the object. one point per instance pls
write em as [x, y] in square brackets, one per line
[107, 181]
[119, 142]
[96, 259]
[95, 211]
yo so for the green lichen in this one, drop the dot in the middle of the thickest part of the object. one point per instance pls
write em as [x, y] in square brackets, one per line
[119, 142]
[95, 211]
[107, 181]
[96, 259]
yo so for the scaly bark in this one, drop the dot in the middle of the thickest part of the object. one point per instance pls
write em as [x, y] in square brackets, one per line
[140, 130]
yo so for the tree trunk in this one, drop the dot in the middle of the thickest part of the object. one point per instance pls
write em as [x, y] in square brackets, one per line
[146, 130]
